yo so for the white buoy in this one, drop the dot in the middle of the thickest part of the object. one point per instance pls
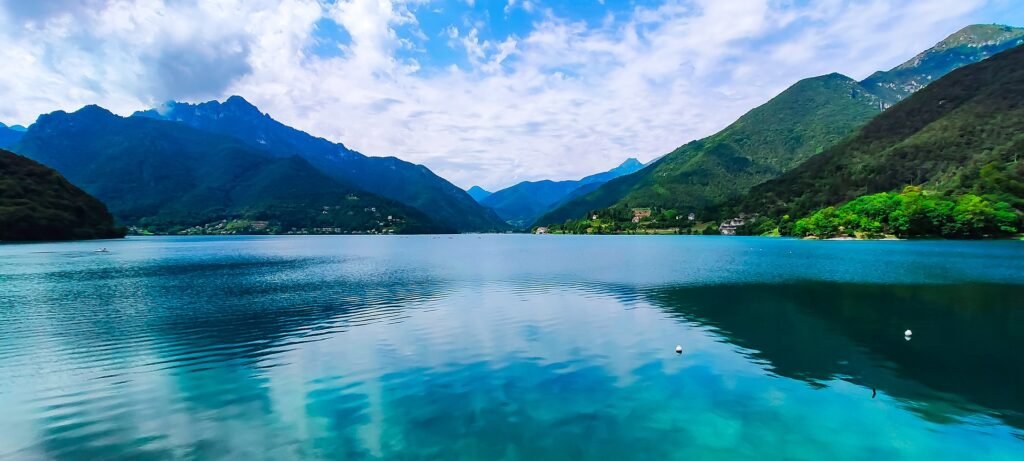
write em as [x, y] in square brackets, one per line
[679, 349]
[908, 333]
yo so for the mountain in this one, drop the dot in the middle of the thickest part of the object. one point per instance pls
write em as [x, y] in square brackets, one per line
[412, 184]
[968, 45]
[770, 139]
[804, 120]
[630, 165]
[961, 134]
[37, 203]
[10, 135]
[478, 193]
[166, 176]
[591, 183]
[521, 204]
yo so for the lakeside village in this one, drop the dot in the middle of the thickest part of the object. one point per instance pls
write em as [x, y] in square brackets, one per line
[378, 224]
[649, 221]
[911, 213]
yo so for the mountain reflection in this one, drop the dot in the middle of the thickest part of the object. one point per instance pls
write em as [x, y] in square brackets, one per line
[195, 368]
[964, 356]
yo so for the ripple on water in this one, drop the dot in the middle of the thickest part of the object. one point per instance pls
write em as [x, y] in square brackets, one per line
[509, 348]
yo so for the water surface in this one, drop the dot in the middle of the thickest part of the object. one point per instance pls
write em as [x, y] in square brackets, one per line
[511, 347]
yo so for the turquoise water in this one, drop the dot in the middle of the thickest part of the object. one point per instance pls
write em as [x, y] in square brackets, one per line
[511, 347]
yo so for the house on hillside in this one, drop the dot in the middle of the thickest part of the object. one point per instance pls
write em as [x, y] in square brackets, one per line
[641, 213]
[541, 230]
[728, 227]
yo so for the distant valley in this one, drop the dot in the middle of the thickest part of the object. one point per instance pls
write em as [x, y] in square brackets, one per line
[520, 205]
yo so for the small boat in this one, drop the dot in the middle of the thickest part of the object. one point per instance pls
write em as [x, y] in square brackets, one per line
[101, 250]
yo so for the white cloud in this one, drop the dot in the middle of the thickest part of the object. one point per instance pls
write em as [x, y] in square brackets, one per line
[526, 5]
[563, 100]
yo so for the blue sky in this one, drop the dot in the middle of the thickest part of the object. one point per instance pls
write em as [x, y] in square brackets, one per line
[482, 92]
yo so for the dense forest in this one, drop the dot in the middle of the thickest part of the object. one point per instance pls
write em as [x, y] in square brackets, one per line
[910, 213]
[37, 203]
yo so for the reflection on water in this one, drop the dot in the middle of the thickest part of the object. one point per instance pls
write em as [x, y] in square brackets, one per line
[818, 332]
[511, 347]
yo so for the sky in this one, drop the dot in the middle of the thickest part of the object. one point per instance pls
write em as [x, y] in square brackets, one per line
[482, 92]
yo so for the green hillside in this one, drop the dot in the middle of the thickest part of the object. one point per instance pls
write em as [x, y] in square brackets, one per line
[804, 120]
[798, 123]
[167, 176]
[37, 203]
[960, 135]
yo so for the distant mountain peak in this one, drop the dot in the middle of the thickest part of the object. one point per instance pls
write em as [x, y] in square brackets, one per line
[522, 203]
[93, 110]
[965, 46]
[237, 102]
[173, 109]
[390, 177]
[88, 116]
[979, 35]
[973, 36]
[10, 135]
[478, 193]
[630, 162]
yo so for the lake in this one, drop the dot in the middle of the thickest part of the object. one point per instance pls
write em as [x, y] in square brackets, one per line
[509, 347]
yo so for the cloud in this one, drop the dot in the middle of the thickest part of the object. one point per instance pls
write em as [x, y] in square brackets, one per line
[120, 53]
[181, 71]
[563, 98]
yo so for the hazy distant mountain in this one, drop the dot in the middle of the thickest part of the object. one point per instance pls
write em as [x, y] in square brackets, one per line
[628, 166]
[805, 119]
[10, 135]
[168, 175]
[412, 184]
[478, 193]
[37, 203]
[521, 204]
